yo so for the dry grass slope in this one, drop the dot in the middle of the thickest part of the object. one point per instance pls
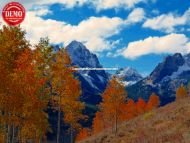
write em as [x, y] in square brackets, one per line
[168, 124]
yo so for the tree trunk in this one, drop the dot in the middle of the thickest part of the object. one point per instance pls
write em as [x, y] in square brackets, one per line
[71, 134]
[13, 133]
[40, 140]
[8, 130]
[58, 122]
[116, 122]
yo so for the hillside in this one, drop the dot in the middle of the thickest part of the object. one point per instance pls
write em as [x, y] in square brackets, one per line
[168, 124]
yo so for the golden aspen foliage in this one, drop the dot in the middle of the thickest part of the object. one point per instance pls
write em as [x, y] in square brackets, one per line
[153, 102]
[141, 106]
[83, 134]
[67, 92]
[98, 123]
[113, 98]
[130, 109]
[181, 92]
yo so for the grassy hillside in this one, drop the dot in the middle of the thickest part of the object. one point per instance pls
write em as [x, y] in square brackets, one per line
[168, 124]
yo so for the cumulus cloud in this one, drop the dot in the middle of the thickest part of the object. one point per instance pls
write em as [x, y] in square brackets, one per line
[66, 3]
[97, 4]
[42, 11]
[171, 43]
[137, 15]
[108, 4]
[167, 22]
[94, 32]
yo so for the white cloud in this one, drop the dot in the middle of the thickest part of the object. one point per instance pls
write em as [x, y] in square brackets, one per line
[108, 4]
[155, 11]
[171, 43]
[115, 53]
[109, 54]
[94, 32]
[167, 22]
[32, 4]
[42, 11]
[97, 4]
[66, 3]
[137, 15]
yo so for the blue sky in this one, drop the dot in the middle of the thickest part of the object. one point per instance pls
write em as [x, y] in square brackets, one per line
[135, 33]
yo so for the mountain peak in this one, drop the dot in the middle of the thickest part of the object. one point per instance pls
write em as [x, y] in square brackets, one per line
[166, 68]
[127, 71]
[81, 56]
[177, 55]
[76, 44]
[93, 82]
[168, 75]
[128, 76]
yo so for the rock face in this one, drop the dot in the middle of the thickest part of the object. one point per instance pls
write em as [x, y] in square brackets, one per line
[164, 80]
[128, 76]
[167, 68]
[93, 82]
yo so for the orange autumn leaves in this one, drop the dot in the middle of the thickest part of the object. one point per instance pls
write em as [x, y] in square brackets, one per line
[153, 102]
[29, 77]
[84, 133]
[116, 108]
[129, 110]
[22, 100]
[27, 103]
[113, 98]
[67, 93]
[32, 102]
[98, 123]
[181, 92]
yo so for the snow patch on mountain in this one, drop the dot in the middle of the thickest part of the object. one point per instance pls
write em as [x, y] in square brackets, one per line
[128, 76]
[128, 83]
[181, 69]
[164, 80]
[93, 82]
[89, 80]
